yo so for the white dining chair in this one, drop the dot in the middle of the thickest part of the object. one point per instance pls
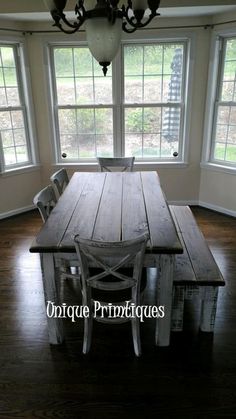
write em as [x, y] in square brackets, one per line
[109, 164]
[111, 282]
[60, 180]
[45, 201]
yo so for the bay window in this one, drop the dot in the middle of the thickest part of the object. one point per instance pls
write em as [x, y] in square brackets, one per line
[138, 109]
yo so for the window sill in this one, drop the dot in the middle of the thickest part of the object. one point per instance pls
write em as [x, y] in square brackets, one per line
[20, 170]
[218, 168]
[138, 165]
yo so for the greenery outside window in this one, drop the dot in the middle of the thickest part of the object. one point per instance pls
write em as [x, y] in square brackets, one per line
[153, 99]
[141, 112]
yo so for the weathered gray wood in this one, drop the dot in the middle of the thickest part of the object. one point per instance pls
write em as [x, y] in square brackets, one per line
[164, 298]
[94, 205]
[109, 164]
[163, 235]
[208, 309]
[197, 260]
[51, 234]
[202, 261]
[86, 210]
[177, 308]
[51, 293]
[183, 271]
[134, 218]
[108, 222]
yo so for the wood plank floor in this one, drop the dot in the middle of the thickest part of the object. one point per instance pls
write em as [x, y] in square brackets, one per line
[195, 377]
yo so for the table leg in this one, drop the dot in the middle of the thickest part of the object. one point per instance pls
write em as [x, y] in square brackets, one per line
[51, 293]
[164, 298]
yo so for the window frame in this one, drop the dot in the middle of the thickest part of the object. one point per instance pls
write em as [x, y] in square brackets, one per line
[214, 87]
[188, 38]
[26, 106]
[143, 105]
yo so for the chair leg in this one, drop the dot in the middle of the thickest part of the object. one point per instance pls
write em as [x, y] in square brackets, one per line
[136, 336]
[88, 321]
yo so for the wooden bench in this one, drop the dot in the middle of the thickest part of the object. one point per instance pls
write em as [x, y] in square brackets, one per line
[196, 272]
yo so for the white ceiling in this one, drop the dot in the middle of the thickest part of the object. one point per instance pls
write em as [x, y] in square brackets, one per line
[187, 11]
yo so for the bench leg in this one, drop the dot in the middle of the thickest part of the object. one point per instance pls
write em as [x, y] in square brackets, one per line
[177, 308]
[164, 298]
[208, 308]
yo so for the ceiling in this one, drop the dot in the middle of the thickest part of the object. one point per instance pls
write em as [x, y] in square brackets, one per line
[35, 10]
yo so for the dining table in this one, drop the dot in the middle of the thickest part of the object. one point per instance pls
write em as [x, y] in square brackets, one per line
[110, 206]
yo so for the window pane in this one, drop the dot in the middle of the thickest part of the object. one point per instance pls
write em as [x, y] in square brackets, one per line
[133, 89]
[21, 154]
[225, 134]
[229, 71]
[133, 60]
[83, 130]
[134, 145]
[219, 152]
[12, 123]
[231, 153]
[63, 59]
[10, 156]
[65, 91]
[10, 77]
[159, 130]
[83, 62]
[7, 138]
[85, 133]
[155, 73]
[79, 79]
[13, 138]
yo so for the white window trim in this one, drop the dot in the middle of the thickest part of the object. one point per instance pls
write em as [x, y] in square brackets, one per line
[213, 77]
[183, 159]
[25, 89]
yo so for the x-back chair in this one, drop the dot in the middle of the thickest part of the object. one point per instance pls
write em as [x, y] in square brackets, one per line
[111, 281]
[109, 164]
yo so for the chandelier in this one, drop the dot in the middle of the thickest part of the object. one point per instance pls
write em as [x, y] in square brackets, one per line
[104, 21]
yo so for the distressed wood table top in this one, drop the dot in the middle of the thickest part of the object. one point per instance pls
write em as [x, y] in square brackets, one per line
[111, 207]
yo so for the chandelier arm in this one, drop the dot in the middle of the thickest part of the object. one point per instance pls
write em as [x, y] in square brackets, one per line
[125, 29]
[137, 24]
[61, 16]
[69, 32]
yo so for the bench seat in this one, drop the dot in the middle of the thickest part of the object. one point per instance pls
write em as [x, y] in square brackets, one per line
[196, 272]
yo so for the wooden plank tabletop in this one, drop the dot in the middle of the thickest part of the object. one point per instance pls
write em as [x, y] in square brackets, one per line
[110, 206]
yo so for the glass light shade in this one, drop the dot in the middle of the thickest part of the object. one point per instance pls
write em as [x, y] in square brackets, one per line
[55, 4]
[103, 38]
[89, 4]
[139, 4]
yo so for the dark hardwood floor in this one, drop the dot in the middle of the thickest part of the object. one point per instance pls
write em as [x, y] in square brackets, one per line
[194, 377]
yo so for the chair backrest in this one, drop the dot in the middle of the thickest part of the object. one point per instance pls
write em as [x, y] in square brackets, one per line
[60, 180]
[109, 164]
[45, 200]
[109, 257]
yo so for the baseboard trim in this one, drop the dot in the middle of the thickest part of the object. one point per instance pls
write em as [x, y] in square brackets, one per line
[217, 208]
[189, 202]
[205, 205]
[16, 212]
